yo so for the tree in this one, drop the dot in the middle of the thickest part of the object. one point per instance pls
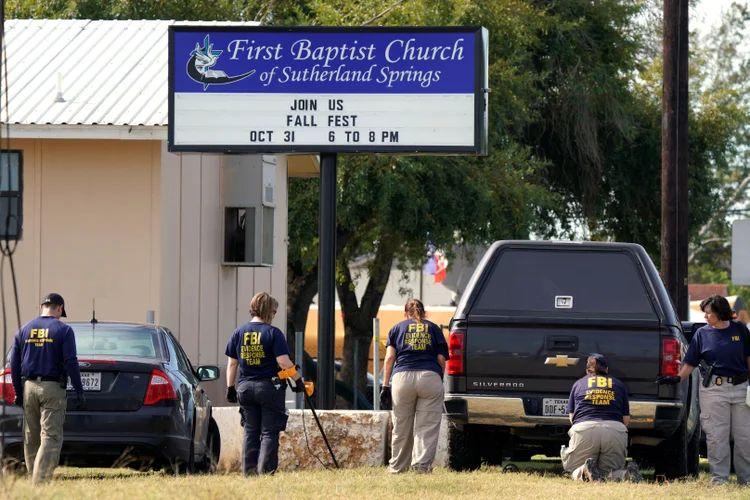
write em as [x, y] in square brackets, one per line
[724, 83]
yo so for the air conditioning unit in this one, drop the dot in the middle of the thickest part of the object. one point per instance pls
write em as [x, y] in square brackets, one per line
[249, 205]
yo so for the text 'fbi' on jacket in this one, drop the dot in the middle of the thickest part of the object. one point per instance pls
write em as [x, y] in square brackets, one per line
[38, 336]
[603, 393]
[418, 337]
[252, 351]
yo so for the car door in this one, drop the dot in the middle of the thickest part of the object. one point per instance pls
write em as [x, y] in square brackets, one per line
[200, 432]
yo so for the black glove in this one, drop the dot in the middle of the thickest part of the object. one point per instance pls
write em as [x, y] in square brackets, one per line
[386, 401]
[231, 394]
[18, 401]
[668, 380]
[299, 385]
[80, 401]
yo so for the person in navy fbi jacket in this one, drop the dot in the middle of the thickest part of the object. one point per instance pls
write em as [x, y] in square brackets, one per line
[258, 349]
[724, 345]
[415, 356]
[599, 409]
[42, 357]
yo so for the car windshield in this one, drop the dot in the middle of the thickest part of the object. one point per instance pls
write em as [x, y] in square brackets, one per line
[108, 340]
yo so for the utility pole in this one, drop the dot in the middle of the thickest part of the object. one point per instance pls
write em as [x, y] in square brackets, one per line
[674, 155]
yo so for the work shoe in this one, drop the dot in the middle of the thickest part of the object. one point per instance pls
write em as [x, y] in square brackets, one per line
[591, 471]
[634, 473]
[718, 481]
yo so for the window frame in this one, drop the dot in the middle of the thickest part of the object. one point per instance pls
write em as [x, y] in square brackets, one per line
[18, 194]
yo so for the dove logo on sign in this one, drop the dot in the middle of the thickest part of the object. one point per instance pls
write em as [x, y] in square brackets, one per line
[204, 58]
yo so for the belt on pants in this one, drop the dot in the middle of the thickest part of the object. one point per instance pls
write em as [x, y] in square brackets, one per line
[39, 378]
[734, 380]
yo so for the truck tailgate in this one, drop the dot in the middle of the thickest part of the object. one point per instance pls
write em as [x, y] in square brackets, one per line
[548, 359]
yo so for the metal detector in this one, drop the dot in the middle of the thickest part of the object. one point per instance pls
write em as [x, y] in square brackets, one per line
[320, 428]
[286, 375]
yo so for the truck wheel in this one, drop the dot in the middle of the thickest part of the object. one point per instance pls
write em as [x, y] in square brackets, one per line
[693, 451]
[675, 452]
[463, 447]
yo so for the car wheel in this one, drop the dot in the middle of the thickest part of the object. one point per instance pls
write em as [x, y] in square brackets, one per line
[213, 448]
[464, 452]
[675, 450]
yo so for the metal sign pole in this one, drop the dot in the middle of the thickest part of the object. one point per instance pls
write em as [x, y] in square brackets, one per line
[299, 359]
[376, 363]
[326, 284]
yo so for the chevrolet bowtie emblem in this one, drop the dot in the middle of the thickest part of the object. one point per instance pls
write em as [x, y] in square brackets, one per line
[561, 361]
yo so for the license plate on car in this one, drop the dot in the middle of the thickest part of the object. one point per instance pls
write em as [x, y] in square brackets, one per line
[555, 407]
[92, 381]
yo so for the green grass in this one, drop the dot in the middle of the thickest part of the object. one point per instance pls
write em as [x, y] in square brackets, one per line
[538, 479]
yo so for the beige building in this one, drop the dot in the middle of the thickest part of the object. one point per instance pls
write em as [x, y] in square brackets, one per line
[108, 213]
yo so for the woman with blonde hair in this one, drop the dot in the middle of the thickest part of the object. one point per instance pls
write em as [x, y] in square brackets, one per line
[415, 358]
[258, 349]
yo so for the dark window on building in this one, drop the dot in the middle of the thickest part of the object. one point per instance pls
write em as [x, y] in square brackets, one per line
[11, 195]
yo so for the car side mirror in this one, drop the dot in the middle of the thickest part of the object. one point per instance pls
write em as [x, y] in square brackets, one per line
[207, 373]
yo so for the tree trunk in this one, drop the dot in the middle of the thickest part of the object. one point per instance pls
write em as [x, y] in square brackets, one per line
[358, 318]
[302, 285]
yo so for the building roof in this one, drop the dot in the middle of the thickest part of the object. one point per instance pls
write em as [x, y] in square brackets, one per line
[700, 291]
[111, 72]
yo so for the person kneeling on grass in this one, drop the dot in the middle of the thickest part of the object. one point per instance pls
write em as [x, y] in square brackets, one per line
[600, 412]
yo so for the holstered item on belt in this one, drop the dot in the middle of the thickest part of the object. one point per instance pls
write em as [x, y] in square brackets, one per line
[707, 378]
[278, 383]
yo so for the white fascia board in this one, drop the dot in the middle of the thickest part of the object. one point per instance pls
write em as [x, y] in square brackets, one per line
[121, 132]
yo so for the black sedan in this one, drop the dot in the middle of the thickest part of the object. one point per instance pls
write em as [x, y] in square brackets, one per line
[145, 407]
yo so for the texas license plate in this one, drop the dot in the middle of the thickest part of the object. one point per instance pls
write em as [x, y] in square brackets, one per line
[555, 407]
[92, 381]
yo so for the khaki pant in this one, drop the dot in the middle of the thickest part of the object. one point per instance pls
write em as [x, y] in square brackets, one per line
[44, 405]
[606, 441]
[723, 411]
[417, 412]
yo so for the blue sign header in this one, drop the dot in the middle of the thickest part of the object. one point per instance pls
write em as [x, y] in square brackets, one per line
[250, 60]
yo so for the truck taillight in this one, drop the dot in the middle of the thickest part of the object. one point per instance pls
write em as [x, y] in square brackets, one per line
[6, 386]
[670, 356]
[159, 387]
[455, 365]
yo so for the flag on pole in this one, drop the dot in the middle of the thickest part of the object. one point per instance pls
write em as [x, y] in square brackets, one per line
[436, 264]
[441, 265]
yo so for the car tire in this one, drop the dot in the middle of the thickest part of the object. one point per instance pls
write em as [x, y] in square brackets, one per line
[213, 449]
[675, 451]
[464, 452]
[693, 451]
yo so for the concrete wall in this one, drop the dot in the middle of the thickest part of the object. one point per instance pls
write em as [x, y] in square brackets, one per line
[358, 439]
[91, 228]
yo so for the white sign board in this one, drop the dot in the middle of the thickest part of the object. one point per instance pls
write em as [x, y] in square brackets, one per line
[741, 252]
[355, 90]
